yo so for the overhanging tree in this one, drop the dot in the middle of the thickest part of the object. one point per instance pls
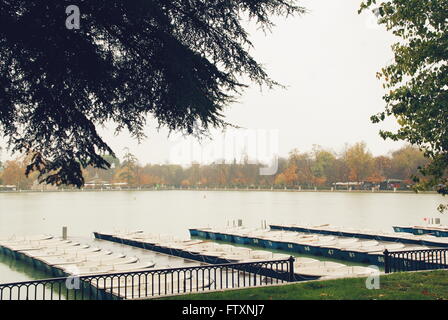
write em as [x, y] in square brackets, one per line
[180, 61]
[417, 79]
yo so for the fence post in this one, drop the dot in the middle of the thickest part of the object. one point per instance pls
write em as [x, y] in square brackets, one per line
[291, 269]
[386, 261]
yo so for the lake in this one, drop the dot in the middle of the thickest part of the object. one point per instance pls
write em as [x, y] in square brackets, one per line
[173, 212]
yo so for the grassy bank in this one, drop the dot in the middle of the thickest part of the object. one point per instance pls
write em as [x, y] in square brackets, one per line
[432, 285]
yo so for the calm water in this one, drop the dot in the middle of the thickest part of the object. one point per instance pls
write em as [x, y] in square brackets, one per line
[173, 212]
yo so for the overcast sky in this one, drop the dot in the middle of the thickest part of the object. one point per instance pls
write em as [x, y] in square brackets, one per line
[328, 59]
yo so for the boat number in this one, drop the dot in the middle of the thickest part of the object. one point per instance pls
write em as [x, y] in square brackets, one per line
[307, 248]
[270, 243]
[330, 252]
[351, 255]
[381, 259]
[255, 240]
[289, 245]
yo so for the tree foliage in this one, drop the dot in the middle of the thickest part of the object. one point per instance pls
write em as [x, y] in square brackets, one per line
[13, 173]
[318, 168]
[359, 161]
[417, 79]
[179, 61]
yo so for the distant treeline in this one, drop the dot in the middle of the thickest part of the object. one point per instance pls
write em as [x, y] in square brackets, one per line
[317, 168]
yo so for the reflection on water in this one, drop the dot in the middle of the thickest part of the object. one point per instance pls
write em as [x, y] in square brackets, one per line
[12, 270]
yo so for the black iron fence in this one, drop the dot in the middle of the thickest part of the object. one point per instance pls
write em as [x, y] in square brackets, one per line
[152, 283]
[414, 260]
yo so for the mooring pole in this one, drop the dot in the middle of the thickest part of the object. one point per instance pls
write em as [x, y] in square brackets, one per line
[64, 233]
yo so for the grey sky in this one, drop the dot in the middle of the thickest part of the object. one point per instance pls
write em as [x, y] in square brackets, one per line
[328, 59]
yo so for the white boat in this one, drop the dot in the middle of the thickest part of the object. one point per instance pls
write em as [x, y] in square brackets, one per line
[353, 244]
[315, 240]
[34, 246]
[112, 259]
[231, 252]
[179, 244]
[299, 262]
[123, 233]
[205, 246]
[428, 239]
[350, 272]
[51, 253]
[149, 237]
[131, 267]
[74, 259]
[74, 267]
[304, 263]
[154, 277]
[242, 232]
[48, 242]
[81, 249]
[273, 234]
[104, 268]
[411, 248]
[157, 287]
[261, 255]
[294, 237]
[253, 256]
[26, 238]
[336, 242]
[89, 270]
[318, 270]
[257, 233]
[379, 248]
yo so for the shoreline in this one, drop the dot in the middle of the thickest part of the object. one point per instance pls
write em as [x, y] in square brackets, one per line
[221, 189]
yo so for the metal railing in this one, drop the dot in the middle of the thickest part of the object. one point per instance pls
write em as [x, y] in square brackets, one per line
[415, 260]
[152, 283]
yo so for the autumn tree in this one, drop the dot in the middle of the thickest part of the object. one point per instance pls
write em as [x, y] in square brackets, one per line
[381, 168]
[359, 162]
[193, 174]
[14, 174]
[324, 165]
[281, 166]
[289, 175]
[128, 171]
[405, 163]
